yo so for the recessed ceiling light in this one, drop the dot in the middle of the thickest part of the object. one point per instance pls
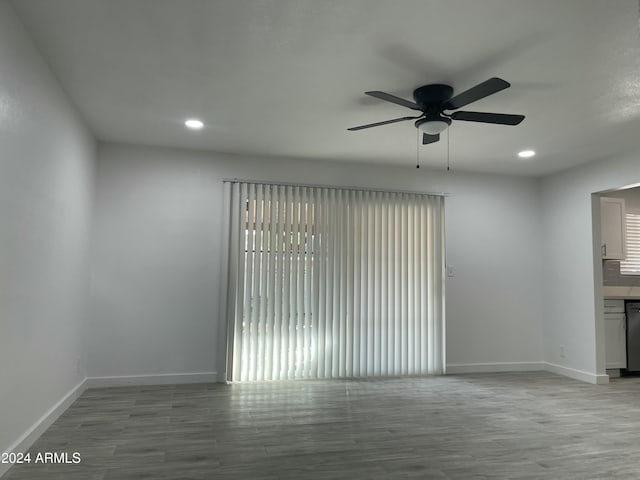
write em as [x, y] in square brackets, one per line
[194, 124]
[526, 153]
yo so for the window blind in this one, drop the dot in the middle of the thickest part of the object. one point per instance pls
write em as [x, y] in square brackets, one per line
[631, 264]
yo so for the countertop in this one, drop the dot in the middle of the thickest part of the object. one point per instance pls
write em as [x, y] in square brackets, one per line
[630, 293]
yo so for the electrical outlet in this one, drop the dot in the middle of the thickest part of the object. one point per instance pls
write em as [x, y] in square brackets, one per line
[562, 352]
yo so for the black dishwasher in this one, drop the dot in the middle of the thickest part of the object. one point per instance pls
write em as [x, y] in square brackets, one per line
[633, 336]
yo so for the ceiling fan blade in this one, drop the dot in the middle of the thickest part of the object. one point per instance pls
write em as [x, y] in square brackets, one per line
[377, 124]
[427, 139]
[484, 89]
[499, 118]
[393, 99]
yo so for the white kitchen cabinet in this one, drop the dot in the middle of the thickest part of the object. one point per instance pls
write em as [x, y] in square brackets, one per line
[613, 224]
[615, 340]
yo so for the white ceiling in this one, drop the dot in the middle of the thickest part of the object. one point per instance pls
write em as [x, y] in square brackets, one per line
[286, 77]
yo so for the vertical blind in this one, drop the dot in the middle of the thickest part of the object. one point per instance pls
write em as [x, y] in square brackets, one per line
[330, 282]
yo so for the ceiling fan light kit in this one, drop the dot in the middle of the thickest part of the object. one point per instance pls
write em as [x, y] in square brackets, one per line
[433, 125]
[434, 99]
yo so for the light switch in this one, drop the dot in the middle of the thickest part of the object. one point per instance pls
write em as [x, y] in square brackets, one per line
[450, 271]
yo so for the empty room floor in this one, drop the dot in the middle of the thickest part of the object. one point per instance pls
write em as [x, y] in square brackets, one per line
[527, 425]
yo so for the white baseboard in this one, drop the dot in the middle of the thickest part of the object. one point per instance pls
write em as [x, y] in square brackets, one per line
[495, 367]
[577, 374]
[527, 367]
[40, 426]
[156, 379]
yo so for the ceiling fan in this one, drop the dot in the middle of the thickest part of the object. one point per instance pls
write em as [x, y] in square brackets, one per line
[432, 100]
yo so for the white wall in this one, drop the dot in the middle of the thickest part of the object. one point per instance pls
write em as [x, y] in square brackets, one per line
[46, 189]
[494, 302]
[571, 276]
[155, 264]
[156, 258]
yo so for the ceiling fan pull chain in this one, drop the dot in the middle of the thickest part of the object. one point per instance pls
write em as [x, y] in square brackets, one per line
[417, 148]
[448, 152]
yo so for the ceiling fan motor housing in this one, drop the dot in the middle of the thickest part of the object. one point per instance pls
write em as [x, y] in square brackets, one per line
[434, 95]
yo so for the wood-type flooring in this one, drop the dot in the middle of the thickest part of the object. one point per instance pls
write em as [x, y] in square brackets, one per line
[531, 425]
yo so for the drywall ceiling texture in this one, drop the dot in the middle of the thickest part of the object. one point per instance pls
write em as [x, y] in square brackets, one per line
[286, 77]
[157, 269]
[572, 272]
[46, 190]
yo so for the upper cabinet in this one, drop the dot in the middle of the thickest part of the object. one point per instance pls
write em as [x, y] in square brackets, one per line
[612, 220]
